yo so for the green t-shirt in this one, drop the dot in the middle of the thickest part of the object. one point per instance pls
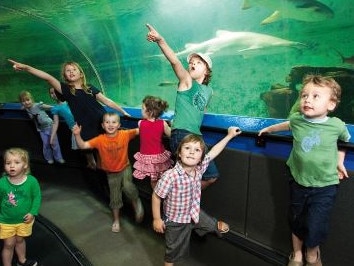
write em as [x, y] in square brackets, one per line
[190, 107]
[314, 156]
[18, 200]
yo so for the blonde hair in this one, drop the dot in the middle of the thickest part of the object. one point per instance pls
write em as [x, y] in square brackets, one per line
[21, 153]
[324, 82]
[25, 95]
[108, 114]
[85, 87]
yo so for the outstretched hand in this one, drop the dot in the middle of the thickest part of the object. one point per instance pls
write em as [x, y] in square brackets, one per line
[153, 35]
[76, 129]
[17, 65]
[234, 131]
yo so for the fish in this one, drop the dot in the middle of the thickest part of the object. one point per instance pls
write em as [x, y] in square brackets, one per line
[167, 84]
[346, 60]
[246, 44]
[301, 10]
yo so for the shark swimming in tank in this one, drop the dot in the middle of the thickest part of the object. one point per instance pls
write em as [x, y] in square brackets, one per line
[302, 10]
[246, 44]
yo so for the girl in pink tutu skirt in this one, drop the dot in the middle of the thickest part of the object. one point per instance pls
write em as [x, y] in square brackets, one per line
[152, 159]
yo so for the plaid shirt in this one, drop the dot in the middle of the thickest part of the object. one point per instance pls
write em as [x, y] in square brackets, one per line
[181, 192]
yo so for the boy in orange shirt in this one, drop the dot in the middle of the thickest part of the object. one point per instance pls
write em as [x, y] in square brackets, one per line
[112, 148]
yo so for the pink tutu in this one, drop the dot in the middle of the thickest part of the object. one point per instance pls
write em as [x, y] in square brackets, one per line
[152, 165]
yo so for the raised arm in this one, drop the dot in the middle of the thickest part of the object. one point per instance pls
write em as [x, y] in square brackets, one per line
[182, 74]
[80, 142]
[167, 129]
[218, 147]
[106, 101]
[284, 126]
[52, 81]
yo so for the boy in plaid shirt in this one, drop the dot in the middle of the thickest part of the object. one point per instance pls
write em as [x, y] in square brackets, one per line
[180, 189]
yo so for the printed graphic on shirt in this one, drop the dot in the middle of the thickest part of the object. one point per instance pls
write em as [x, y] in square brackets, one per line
[310, 141]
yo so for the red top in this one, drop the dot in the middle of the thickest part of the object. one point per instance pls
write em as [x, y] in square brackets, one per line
[151, 133]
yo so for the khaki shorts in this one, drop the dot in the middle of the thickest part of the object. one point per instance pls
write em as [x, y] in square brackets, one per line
[10, 230]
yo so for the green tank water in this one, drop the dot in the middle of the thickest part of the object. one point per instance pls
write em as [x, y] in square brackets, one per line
[260, 48]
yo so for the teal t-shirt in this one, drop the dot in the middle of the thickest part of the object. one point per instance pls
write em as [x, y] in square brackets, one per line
[190, 107]
[18, 200]
[314, 156]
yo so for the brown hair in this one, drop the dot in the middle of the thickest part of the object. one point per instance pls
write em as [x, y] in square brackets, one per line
[23, 154]
[155, 106]
[191, 138]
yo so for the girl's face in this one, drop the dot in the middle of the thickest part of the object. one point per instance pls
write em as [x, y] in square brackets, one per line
[27, 102]
[191, 153]
[315, 101]
[197, 68]
[110, 124]
[72, 73]
[15, 166]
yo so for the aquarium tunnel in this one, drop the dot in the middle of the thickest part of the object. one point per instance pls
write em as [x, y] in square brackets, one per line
[260, 50]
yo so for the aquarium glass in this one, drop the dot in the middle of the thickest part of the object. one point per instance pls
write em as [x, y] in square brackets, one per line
[260, 49]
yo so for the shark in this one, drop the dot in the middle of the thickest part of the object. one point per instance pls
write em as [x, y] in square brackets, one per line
[302, 10]
[245, 44]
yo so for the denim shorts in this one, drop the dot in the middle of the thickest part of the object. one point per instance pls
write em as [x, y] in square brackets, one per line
[176, 137]
[309, 212]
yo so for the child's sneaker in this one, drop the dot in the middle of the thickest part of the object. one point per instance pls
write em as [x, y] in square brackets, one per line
[61, 161]
[115, 227]
[28, 263]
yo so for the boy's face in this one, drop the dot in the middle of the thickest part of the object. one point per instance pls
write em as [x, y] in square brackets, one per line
[315, 101]
[110, 124]
[197, 67]
[191, 153]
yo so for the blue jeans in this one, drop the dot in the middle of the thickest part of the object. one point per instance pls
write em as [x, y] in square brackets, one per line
[309, 212]
[176, 137]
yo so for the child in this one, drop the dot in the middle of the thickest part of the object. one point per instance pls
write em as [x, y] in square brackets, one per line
[36, 111]
[316, 166]
[193, 96]
[112, 147]
[20, 199]
[61, 109]
[84, 100]
[152, 159]
[180, 190]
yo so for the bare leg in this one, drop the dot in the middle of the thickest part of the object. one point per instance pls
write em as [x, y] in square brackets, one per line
[8, 251]
[297, 248]
[168, 264]
[312, 254]
[153, 184]
[116, 224]
[20, 249]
